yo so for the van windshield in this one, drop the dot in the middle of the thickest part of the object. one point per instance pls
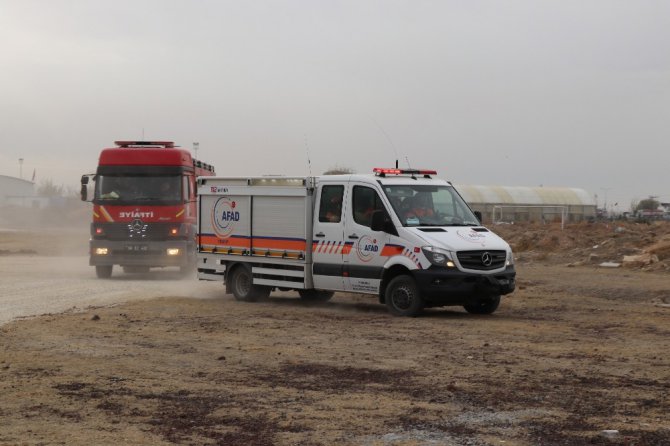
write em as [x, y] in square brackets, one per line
[425, 205]
[125, 189]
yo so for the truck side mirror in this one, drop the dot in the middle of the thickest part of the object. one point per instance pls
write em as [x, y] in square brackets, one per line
[84, 187]
[85, 179]
[382, 222]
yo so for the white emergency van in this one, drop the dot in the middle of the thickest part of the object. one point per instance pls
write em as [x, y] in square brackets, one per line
[402, 235]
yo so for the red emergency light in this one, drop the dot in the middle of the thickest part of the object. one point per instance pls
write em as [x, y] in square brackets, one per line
[166, 144]
[383, 171]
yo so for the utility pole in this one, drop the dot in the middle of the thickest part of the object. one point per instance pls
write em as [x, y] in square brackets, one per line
[21, 168]
[605, 189]
[196, 146]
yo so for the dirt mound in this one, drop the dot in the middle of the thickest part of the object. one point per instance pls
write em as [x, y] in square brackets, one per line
[592, 243]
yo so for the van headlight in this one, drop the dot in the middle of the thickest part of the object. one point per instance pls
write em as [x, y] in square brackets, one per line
[510, 258]
[438, 257]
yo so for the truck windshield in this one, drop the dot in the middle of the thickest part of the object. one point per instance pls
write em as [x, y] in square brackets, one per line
[123, 189]
[425, 205]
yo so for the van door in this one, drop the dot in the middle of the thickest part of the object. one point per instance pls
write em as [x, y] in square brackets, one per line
[328, 245]
[364, 265]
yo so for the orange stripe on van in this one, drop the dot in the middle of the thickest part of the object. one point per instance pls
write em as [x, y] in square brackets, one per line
[272, 243]
[275, 244]
[391, 250]
[230, 242]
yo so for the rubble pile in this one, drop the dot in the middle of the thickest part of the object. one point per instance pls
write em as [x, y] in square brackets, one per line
[605, 244]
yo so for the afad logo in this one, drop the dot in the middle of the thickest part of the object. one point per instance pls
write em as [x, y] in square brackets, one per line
[472, 236]
[367, 248]
[224, 217]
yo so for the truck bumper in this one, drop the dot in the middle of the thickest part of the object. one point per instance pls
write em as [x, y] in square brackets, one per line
[154, 253]
[452, 287]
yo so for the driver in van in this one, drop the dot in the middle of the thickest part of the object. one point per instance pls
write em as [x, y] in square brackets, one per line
[418, 207]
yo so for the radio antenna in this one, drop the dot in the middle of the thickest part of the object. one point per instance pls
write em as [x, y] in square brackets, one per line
[388, 138]
[309, 163]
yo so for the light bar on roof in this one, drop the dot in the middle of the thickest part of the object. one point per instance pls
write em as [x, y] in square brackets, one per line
[391, 171]
[166, 144]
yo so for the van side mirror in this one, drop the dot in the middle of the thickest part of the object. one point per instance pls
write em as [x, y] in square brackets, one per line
[382, 222]
[478, 214]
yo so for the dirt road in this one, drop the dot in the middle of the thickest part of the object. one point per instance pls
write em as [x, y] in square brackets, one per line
[577, 355]
[33, 285]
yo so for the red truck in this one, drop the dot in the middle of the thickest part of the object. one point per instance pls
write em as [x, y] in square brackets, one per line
[144, 207]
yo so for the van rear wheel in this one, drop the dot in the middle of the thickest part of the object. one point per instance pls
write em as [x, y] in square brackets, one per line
[241, 284]
[403, 298]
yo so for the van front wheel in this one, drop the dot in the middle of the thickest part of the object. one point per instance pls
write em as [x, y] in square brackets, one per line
[483, 305]
[403, 298]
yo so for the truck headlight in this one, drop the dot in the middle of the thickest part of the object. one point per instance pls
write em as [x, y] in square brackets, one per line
[438, 257]
[510, 258]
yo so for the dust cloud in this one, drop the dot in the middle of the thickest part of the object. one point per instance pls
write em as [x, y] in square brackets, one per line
[44, 267]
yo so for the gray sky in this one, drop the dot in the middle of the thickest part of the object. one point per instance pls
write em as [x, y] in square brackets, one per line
[516, 93]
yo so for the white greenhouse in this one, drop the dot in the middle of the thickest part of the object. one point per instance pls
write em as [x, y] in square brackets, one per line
[16, 191]
[542, 204]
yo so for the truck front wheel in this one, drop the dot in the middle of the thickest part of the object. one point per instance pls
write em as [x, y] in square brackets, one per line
[241, 283]
[483, 305]
[403, 297]
[103, 271]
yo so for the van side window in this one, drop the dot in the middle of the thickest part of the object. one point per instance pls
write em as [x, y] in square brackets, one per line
[365, 202]
[330, 208]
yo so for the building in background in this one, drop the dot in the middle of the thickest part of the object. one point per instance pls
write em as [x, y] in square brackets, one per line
[538, 204]
[18, 192]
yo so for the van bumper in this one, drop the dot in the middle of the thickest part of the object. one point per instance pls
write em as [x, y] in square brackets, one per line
[446, 286]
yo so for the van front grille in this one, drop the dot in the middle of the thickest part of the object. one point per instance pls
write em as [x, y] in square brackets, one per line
[481, 259]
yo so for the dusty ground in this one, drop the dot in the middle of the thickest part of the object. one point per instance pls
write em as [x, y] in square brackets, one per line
[576, 350]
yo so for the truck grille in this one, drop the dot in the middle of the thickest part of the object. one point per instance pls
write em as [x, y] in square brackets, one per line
[135, 231]
[482, 260]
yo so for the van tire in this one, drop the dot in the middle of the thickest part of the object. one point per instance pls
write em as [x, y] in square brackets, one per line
[483, 305]
[103, 271]
[315, 295]
[241, 284]
[403, 298]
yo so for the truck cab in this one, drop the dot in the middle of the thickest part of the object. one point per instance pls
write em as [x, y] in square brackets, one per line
[402, 235]
[144, 215]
